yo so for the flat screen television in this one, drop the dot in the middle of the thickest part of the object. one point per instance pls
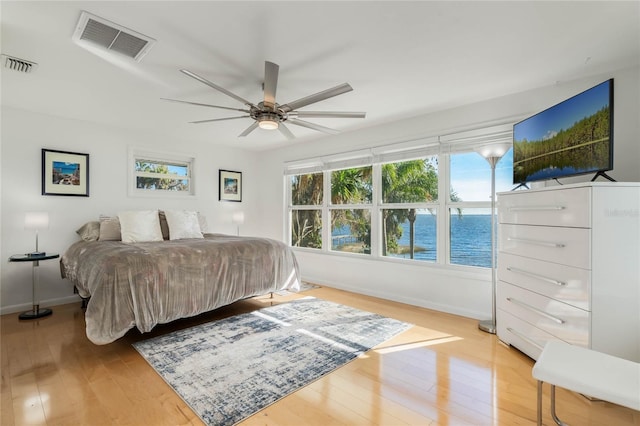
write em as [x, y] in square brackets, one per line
[571, 138]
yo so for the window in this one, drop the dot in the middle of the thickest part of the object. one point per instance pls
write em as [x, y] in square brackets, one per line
[470, 206]
[155, 173]
[409, 228]
[350, 210]
[389, 203]
[306, 213]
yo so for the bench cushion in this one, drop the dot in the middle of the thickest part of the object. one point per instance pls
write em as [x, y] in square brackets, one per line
[591, 373]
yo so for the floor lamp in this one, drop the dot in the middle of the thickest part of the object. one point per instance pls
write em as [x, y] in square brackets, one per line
[492, 153]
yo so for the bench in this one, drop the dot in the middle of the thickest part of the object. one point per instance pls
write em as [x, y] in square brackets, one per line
[595, 374]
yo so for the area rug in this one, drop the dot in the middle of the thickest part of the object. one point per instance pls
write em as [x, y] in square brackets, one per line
[229, 369]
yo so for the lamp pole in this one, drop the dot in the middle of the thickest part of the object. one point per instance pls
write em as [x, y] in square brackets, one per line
[493, 153]
[489, 326]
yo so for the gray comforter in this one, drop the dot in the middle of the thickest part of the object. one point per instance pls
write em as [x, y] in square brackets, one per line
[145, 284]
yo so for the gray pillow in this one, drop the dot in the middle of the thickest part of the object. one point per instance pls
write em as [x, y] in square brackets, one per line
[109, 228]
[90, 231]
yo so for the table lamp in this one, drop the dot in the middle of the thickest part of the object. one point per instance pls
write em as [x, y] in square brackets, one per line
[238, 219]
[36, 221]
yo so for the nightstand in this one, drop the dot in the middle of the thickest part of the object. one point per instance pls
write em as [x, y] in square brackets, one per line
[35, 280]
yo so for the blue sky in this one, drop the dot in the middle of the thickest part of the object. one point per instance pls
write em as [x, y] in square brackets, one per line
[471, 175]
[178, 170]
[563, 115]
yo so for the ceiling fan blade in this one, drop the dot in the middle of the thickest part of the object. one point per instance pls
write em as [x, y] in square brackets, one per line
[317, 97]
[206, 105]
[285, 131]
[312, 126]
[219, 119]
[270, 84]
[249, 129]
[218, 88]
[332, 114]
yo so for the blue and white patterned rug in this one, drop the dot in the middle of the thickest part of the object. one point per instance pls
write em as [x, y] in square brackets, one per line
[229, 369]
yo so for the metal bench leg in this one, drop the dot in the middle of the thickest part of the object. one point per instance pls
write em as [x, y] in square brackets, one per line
[539, 402]
[553, 408]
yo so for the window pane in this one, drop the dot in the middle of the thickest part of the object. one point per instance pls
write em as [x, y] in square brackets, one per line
[306, 189]
[471, 176]
[160, 167]
[351, 231]
[306, 228]
[162, 184]
[351, 186]
[471, 237]
[410, 181]
[399, 241]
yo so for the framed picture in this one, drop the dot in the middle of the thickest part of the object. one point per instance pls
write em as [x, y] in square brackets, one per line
[230, 185]
[65, 173]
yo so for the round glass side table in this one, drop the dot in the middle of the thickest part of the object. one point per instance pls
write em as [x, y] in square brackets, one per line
[35, 259]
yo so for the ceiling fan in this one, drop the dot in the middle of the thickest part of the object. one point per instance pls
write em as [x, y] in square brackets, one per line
[270, 115]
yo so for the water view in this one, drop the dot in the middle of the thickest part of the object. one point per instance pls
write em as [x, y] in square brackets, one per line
[470, 239]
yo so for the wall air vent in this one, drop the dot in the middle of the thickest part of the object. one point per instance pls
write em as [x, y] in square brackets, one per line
[109, 36]
[18, 64]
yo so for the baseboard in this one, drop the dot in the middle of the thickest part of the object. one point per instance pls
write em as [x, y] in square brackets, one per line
[394, 297]
[12, 309]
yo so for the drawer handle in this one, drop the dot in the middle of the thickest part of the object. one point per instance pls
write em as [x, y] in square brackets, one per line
[534, 275]
[535, 242]
[536, 310]
[523, 337]
[535, 208]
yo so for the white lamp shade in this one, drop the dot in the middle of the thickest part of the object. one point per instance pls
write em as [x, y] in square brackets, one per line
[238, 218]
[36, 220]
[496, 150]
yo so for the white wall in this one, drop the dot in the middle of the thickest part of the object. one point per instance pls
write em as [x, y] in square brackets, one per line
[24, 134]
[464, 291]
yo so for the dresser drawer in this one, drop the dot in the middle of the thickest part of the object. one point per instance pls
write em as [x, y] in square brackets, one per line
[565, 283]
[520, 334]
[566, 246]
[563, 321]
[567, 207]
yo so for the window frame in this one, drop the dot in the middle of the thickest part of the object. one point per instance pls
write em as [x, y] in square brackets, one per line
[442, 150]
[136, 154]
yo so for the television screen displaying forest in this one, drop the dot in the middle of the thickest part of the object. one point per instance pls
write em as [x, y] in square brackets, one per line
[573, 137]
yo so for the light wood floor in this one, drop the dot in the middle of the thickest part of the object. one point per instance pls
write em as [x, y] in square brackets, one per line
[443, 371]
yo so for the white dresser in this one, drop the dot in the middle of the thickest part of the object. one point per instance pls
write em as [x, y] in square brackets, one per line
[569, 268]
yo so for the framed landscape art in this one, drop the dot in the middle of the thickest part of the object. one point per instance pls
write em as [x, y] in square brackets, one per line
[230, 186]
[65, 173]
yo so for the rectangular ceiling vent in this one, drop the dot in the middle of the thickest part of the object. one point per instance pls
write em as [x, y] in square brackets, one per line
[18, 64]
[112, 37]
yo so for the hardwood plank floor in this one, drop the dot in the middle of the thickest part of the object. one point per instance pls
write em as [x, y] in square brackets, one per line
[443, 371]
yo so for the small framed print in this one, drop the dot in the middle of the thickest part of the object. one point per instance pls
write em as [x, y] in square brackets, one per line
[65, 173]
[230, 185]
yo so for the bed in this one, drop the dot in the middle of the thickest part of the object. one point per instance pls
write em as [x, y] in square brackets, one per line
[142, 284]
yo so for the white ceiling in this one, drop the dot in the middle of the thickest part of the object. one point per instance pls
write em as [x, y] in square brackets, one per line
[402, 58]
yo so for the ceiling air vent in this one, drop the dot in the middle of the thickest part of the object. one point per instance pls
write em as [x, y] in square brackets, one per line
[18, 64]
[112, 37]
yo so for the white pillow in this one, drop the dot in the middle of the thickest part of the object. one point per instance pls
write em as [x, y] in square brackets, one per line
[183, 224]
[139, 226]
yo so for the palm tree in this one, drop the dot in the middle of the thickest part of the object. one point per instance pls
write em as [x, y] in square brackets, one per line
[352, 186]
[306, 190]
[406, 182]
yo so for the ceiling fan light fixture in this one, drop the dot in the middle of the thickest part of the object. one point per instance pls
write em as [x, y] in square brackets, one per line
[268, 121]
